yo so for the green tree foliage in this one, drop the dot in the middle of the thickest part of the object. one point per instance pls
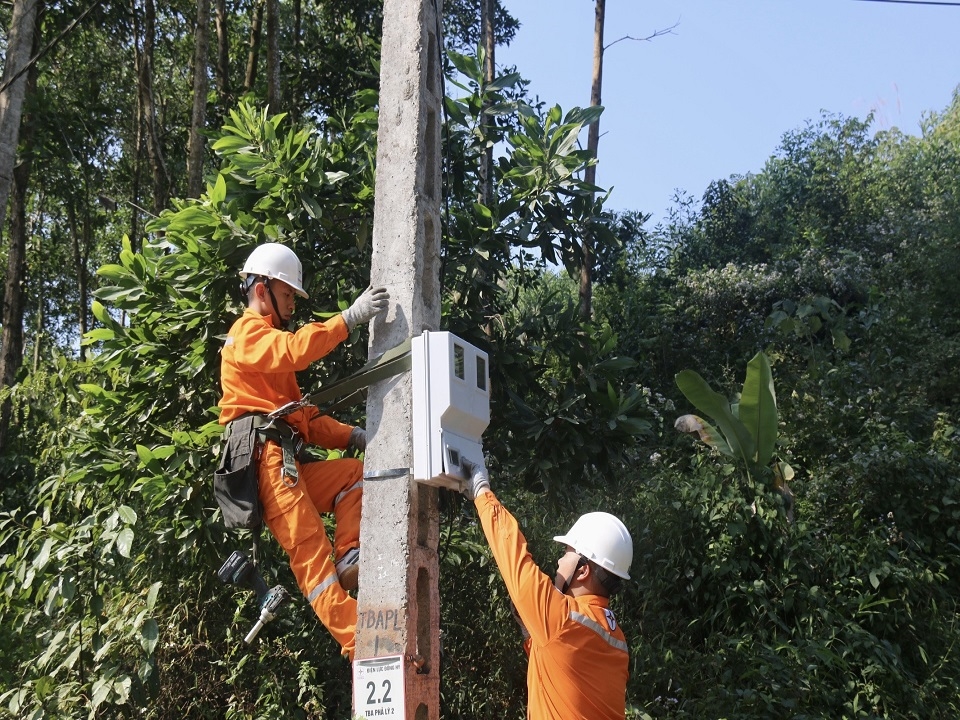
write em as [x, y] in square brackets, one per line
[559, 393]
[837, 262]
[821, 260]
[461, 25]
[127, 518]
[146, 434]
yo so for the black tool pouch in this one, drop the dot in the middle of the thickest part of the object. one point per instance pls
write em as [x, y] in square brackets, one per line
[235, 481]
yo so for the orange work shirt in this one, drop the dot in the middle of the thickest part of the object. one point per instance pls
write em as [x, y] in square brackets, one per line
[258, 366]
[579, 661]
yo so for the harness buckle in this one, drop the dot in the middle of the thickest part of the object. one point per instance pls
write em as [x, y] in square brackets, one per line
[285, 410]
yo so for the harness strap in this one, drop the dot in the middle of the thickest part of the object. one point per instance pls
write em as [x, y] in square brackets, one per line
[392, 362]
[287, 437]
[290, 443]
[272, 427]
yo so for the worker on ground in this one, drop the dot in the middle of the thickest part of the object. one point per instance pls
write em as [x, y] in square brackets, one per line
[258, 365]
[578, 658]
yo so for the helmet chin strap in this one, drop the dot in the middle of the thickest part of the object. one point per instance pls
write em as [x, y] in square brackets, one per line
[273, 301]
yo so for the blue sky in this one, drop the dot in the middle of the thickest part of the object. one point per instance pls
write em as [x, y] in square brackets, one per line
[713, 98]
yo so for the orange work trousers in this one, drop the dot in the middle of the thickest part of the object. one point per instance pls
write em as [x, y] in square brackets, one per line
[293, 515]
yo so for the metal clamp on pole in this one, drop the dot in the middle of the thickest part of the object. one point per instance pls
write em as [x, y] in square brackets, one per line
[385, 474]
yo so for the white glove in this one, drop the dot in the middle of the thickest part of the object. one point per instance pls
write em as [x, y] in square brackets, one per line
[358, 439]
[365, 308]
[476, 479]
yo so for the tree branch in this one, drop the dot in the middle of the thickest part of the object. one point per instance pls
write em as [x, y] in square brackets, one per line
[66, 31]
[657, 33]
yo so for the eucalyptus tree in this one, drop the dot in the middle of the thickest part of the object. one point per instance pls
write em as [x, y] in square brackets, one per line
[17, 74]
[198, 118]
[469, 25]
[70, 182]
[20, 47]
[593, 142]
[589, 249]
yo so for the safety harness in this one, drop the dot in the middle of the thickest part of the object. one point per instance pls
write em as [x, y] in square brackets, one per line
[272, 426]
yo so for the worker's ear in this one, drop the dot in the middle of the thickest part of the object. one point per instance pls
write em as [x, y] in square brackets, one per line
[588, 577]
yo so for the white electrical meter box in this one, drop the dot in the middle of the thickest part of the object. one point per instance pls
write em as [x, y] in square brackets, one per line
[451, 407]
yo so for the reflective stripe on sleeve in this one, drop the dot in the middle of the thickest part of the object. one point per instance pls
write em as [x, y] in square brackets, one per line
[315, 593]
[598, 629]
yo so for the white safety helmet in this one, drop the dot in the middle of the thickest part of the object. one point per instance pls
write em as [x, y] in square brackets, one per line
[278, 262]
[601, 538]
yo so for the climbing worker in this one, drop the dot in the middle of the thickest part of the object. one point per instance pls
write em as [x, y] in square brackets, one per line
[578, 658]
[259, 360]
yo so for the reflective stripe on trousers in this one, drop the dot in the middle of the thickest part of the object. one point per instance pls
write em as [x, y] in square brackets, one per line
[293, 516]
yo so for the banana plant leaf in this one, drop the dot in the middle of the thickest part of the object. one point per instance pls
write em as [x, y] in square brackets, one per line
[698, 427]
[713, 404]
[758, 408]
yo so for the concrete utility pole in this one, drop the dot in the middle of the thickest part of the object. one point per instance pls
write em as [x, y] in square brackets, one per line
[398, 601]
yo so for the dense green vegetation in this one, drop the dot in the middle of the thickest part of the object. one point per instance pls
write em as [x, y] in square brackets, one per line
[815, 574]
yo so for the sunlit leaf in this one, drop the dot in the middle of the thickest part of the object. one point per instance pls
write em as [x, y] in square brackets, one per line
[125, 542]
[698, 392]
[127, 514]
[144, 453]
[152, 595]
[758, 408]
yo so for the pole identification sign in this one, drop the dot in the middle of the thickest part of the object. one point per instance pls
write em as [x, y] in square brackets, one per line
[378, 688]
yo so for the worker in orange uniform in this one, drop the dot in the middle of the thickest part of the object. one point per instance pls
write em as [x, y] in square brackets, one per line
[578, 657]
[258, 365]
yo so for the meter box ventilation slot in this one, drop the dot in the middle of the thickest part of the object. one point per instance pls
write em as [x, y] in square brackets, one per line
[451, 407]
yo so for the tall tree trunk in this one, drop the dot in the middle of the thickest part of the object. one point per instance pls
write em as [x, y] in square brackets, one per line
[144, 66]
[273, 56]
[297, 89]
[590, 176]
[20, 45]
[11, 340]
[256, 26]
[488, 9]
[13, 296]
[81, 237]
[197, 144]
[136, 175]
[489, 42]
[223, 57]
[38, 335]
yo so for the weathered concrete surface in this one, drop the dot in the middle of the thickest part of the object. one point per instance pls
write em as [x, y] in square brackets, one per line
[398, 596]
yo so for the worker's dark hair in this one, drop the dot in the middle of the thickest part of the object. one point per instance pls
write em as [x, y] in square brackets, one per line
[610, 582]
[247, 283]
